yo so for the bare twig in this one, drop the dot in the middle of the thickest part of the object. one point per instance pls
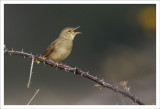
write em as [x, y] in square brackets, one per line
[78, 72]
[30, 75]
[33, 96]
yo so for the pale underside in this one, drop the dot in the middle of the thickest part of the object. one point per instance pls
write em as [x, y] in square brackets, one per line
[58, 50]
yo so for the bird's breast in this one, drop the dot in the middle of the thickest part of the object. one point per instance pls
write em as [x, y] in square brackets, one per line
[61, 53]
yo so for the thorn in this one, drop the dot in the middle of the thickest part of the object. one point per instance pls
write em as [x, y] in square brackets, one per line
[135, 100]
[102, 80]
[24, 56]
[75, 68]
[56, 65]
[128, 89]
[44, 63]
[31, 53]
[87, 72]
[81, 74]
[66, 69]
[75, 71]
[22, 49]
[12, 49]
[40, 56]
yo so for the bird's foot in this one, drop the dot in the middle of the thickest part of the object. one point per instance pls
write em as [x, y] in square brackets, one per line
[60, 63]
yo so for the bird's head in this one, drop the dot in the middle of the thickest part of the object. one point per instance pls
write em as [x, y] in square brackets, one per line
[69, 32]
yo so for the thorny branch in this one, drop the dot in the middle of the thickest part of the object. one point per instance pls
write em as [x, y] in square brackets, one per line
[77, 71]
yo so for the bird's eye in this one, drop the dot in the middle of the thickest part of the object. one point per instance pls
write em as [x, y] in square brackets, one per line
[69, 31]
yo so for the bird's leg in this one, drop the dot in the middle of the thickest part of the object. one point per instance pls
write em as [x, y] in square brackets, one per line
[53, 61]
[62, 64]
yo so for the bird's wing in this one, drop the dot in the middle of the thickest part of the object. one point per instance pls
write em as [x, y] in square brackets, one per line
[50, 49]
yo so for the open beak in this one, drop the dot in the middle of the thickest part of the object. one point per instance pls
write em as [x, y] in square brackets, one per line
[77, 32]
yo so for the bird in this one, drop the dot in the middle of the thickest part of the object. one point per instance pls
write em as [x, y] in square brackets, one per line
[61, 48]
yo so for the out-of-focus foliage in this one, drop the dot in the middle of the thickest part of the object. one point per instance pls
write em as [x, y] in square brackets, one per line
[147, 19]
[144, 18]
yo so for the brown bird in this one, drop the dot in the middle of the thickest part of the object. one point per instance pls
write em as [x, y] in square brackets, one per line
[60, 48]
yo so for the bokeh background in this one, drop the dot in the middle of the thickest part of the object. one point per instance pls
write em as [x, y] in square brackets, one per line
[118, 44]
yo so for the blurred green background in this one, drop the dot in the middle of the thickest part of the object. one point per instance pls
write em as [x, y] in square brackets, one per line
[118, 44]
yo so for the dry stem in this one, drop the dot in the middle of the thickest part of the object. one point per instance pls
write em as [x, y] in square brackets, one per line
[30, 76]
[33, 96]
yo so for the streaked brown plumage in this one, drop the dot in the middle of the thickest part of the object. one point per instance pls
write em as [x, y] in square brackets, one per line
[62, 46]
